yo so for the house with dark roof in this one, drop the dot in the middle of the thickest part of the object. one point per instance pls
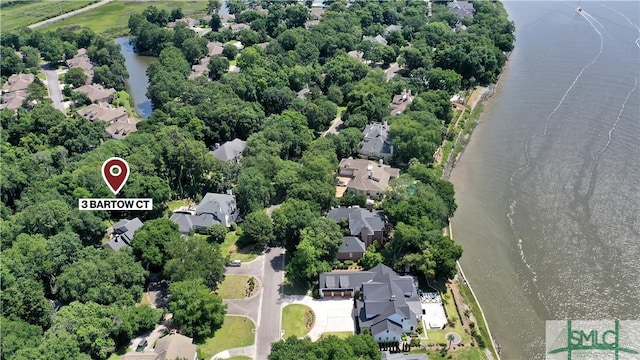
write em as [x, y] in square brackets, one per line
[463, 9]
[367, 177]
[377, 142]
[400, 102]
[229, 151]
[366, 224]
[171, 347]
[213, 209]
[351, 248]
[121, 233]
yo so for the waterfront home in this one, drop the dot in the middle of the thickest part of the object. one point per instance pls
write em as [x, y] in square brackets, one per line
[361, 176]
[103, 112]
[97, 93]
[463, 9]
[400, 102]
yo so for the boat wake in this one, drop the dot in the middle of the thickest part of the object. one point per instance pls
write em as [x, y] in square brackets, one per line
[512, 208]
[626, 18]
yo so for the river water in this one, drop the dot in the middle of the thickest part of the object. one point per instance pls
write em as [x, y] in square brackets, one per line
[548, 189]
[138, 81]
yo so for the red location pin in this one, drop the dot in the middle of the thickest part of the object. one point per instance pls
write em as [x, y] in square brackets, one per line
[115, 172]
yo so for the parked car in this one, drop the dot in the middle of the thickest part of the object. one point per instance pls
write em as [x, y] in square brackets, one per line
[235, 263]
[141, 345]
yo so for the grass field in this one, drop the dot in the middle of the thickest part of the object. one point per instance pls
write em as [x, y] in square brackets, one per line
[228, 247]
[233, 287]
[293, 317]
[236, 331]
[472, 353]
[18, 16]
[340, 334]
[112, 18]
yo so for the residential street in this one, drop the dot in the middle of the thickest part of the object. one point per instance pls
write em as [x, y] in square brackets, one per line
[53, 84]
[264, 308]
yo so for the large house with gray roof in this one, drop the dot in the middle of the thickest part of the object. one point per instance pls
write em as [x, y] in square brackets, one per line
[367, 177]
[121, 233]
[389, 304]
[377, 142]
[351, 248]
[213, 209]
[366, 224]
[229, 151]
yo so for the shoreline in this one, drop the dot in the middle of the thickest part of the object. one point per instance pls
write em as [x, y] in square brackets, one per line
[448, 168]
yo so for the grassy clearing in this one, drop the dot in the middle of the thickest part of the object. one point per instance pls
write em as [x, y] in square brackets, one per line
[18, 16]
[228, 247]
[341, 110]
[112, 19]
[236, 331]
[123, 99]
[472, 353]
[175, 205]
[145, 299]
[233, 287]
[470, 300]
[340, 334]
[293, 320]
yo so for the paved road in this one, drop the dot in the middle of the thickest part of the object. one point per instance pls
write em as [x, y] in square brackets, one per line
[68, 15]
[264, 308]
[54, 89]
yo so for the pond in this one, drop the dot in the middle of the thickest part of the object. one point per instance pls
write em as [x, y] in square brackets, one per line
[138, 81]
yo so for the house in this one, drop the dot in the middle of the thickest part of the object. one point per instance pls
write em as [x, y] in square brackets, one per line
[358, 55]
[317, 12]
[400, 102]
[97, 93]
[389, 29]
[378, 38]
[229, 151]
[213, 209]
[302, 94]
[103, 113]
[367, 177]
[227, 18]
[377, 142]
[403, 356]
[17, 82]
[190, 22]
[121, 128]
[121, 233]
[13, 100]
[463, 9]
[311, 24]
[237, 27]
[351, 248]
[82, 61]
[201, 68]
[366, 224]
[215, 48]
[171, 347]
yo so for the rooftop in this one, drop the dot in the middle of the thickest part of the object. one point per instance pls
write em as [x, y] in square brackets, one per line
[103, 113]
[230, 150]
[96, 92]
[18, 82]
[367, 176]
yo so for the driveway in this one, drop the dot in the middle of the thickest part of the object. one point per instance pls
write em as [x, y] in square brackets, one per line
[264, 308]
[53, 84]
[331, 315]
[336, 126]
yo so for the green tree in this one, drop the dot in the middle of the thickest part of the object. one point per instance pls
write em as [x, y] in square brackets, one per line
[254, 191]
[218, 66]
[230, 51]
[75, 77]
[30, 57]
[197, 312]
[17, 334]
[150, 242]
[11, 62]
[258, 228]
[217, 233]
[194, 258]
[236, 6]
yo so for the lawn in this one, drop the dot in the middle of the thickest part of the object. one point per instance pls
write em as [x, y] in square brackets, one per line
[123, 99]
[340, 334]
[113, 18]
[175, 205]
[475, 310]
[438, 336]
[293, 320]
[18, 16]
[233, 287]
[236, 331]
[472, 353]
[228, 247]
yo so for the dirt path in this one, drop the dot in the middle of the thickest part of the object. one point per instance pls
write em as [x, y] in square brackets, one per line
[68, 15]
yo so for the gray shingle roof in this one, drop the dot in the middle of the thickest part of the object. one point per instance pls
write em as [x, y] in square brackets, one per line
[229, 150]
[359, 218]
[213, 209]
[378, 38]
[463, 9]
[377, 141]
[123, 232]
[403, 356]
[386, 325]
[351, 244]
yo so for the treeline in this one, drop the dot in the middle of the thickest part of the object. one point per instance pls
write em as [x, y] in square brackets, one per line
[50, 160]
[357, 347]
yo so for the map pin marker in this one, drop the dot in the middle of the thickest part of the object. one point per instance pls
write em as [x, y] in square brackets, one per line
[115, 172]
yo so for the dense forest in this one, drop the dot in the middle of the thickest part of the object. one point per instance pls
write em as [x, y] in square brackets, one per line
[65, 297]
